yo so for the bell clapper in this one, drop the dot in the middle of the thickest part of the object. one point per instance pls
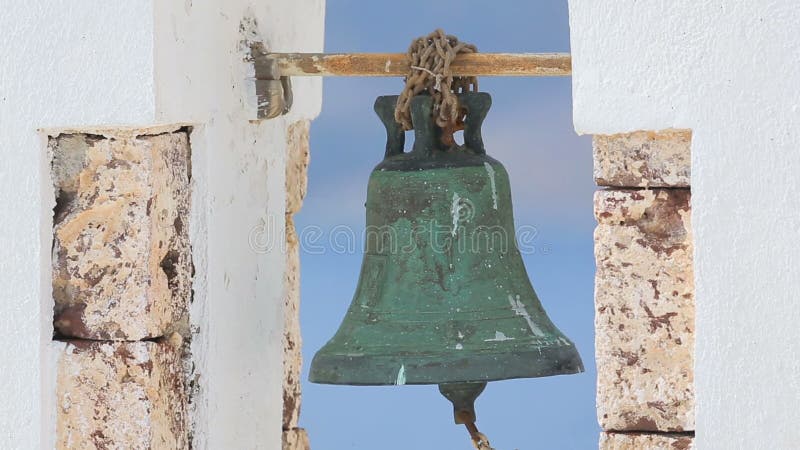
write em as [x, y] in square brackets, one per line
[462, 396]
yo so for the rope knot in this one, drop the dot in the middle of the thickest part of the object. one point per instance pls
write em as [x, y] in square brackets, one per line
[429, 62]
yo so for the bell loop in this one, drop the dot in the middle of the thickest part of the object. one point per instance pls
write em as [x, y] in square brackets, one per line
[429, 138]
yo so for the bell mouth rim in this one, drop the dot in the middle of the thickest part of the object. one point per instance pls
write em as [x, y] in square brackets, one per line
[387, 370]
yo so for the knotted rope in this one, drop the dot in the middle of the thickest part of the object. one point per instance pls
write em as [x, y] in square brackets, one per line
[429, 59]
[479, 440]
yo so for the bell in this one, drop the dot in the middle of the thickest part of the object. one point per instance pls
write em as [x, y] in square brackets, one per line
[443, 296]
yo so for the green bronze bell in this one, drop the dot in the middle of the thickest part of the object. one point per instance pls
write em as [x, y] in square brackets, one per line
[443, 296]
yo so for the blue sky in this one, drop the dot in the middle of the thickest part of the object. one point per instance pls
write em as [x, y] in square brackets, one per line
[529, 129]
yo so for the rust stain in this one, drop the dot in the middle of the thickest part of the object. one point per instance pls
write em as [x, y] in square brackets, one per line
[396, 64]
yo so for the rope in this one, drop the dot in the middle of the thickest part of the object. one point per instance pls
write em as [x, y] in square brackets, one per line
[479, 440]
[429, 60]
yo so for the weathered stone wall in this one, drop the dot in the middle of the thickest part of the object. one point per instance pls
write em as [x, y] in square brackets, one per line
[643, 159]
[645, 441]
[115, 394]
[121, 261]
[297, 158]
[122, 270]
[644, 290]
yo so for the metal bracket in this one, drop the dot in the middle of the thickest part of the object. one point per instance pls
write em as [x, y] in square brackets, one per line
[273, 91]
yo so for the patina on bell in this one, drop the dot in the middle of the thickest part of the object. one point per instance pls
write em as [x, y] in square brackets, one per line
[443, 296]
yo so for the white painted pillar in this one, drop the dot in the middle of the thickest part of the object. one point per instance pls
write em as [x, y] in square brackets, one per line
[729, 71]
[110, 63]
[63, 64]
[239, 178]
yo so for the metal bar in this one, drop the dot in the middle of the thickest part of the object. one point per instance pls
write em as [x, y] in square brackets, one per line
[395, 64]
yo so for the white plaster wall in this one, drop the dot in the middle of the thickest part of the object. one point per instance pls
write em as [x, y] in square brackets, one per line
[109, 63]
[61, 64]
[239, 179]
[730, 72]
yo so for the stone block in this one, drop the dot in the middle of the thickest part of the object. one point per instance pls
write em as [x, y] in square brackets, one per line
[121, 395]
[643, 159]
[297, 157]
[643, 441]
[295, 439]
[644, 299]
[121, 258]
[296, 183]
[292, 342]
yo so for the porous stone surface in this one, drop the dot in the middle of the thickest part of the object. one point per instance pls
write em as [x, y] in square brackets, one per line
[292, 342]
[644, 299]
[121, 395]
[643, 159]
[295, 439]
[121, 260]
[644, 441]
[296, 183]
[297, 158]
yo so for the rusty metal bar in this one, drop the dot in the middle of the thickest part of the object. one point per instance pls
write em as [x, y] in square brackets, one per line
[395, 64]
[273, 70]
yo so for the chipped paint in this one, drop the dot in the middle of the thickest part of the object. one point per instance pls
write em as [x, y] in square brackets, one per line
[519, 309]
[401, 376]
[455, 209]
[499, 336]
[490, 172]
